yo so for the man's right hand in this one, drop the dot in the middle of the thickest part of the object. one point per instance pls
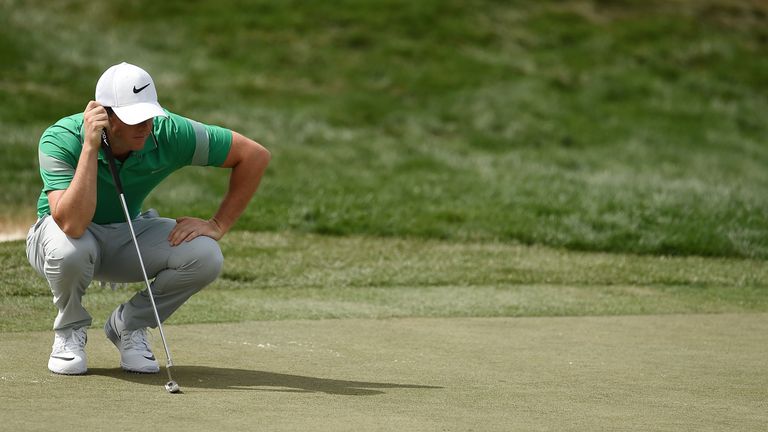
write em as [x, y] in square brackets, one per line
[95, 119]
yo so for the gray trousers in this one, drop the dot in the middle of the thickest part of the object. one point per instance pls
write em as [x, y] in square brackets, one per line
[106, 253]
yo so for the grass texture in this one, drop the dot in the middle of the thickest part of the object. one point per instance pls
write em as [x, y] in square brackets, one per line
[271, 276]
[630, 126]
[671, 373]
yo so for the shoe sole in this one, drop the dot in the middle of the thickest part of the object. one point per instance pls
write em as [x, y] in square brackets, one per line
[68, 373]
[135, 372]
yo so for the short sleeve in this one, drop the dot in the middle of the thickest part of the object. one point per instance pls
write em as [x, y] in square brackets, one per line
[201, 144]
[56, 158]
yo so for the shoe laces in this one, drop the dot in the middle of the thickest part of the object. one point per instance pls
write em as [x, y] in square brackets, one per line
[75, 341]
[135, 340]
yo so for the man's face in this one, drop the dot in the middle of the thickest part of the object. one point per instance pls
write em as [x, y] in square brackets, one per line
[125, 138]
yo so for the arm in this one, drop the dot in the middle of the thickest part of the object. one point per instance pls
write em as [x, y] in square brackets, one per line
[73, 208]
[248, 161]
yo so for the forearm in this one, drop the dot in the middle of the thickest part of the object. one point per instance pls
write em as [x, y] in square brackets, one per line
[243, 183]
[74, 209]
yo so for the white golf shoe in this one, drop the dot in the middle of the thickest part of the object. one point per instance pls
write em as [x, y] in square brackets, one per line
[135, 353]
[68, 353]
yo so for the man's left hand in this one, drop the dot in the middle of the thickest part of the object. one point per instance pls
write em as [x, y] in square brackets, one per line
[188, 228]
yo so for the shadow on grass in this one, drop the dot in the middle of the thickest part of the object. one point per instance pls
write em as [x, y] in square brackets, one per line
[242, 379]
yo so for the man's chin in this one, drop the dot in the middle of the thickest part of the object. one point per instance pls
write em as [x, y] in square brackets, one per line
[137, 146]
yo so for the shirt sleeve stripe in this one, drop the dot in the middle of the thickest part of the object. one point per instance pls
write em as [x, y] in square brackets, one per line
[201, 144]
[55, 166]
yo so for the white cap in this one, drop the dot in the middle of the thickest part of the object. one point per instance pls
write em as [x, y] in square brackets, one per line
[131, 93]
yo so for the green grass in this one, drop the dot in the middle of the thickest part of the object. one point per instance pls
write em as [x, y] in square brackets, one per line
[287, 276]
[661, 373]
[633, 126]
[441, 159]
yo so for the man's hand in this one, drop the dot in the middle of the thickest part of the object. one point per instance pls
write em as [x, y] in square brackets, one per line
[188, 228]
[95, 119]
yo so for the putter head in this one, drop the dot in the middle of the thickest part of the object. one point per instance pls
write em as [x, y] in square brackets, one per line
[172, 387]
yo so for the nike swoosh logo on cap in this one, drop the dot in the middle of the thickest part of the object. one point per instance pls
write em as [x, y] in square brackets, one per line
[63, 358]
[136, 90]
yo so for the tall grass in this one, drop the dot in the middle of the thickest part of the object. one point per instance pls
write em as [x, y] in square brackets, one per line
[630, 126]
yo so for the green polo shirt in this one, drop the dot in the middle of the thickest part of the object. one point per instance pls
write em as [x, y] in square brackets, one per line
[175, 142]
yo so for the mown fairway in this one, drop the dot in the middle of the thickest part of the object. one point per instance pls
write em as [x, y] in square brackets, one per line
[680, 373]
[655, 365]
[480, 215]
[286, 276]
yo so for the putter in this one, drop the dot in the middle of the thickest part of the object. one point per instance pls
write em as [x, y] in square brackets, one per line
[171, 386]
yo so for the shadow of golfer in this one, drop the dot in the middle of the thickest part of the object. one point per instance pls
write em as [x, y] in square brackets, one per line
[242, 379]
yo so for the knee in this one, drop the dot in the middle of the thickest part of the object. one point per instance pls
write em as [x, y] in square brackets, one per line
[204, 257]
[212, 257]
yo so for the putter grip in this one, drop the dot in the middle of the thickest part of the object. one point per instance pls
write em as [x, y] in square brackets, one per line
[111, 161]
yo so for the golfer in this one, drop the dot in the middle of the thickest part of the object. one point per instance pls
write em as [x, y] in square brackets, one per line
[81, 234]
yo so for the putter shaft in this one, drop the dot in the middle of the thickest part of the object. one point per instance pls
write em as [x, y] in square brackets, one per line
[149, 287]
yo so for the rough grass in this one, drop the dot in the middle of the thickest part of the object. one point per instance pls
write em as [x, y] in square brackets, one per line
[629, 126]
[288, 276]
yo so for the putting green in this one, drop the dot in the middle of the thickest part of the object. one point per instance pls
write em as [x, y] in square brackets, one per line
[681, 372]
